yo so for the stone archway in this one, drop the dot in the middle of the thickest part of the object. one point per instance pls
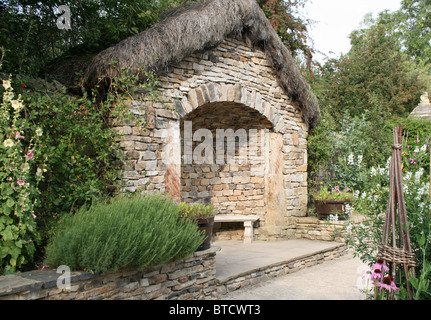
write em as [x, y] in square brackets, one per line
[224, 151]
[223, 92]
[259, 186]
[252, 183]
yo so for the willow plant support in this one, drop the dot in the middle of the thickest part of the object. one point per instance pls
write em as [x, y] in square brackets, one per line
[396, 247]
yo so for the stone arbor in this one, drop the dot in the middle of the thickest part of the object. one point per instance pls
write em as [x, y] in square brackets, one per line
[226, 72]
[218, 90]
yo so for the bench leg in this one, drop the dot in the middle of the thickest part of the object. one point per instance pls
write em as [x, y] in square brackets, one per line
[248, 232]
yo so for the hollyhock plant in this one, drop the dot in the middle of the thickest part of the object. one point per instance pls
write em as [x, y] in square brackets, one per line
[19, 184]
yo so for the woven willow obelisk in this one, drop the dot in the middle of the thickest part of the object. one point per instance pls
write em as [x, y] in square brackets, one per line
[395, 247]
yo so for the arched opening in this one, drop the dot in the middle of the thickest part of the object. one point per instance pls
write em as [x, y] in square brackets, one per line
[223, 148]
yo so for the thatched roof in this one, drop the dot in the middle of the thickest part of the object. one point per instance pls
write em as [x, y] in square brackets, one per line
[201, 26]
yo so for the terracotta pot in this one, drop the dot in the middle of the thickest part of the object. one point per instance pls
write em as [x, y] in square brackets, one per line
[206, 224]
[325, 208]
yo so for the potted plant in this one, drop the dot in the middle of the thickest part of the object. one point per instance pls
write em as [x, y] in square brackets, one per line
[332, 202]
[204, 216]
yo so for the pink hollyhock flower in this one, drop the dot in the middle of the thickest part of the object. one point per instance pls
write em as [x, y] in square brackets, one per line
[34, 216]
[18, 136]
[30, 155]
[20, 182]
[388, 284]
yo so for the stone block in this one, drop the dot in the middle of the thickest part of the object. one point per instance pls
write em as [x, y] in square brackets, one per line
[125, 130]
[151, 165]
[148, 155]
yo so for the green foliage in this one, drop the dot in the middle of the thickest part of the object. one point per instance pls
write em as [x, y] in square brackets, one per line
[320, 145]
[345, 148]
[199, 210]
[371, 201]
[78, 147]
[334, 194]
[28, 28]
[124, 232]
[21, 163]
[414, 129]
[78, 153]
[375, 76]
[290, 26]
[411, 25]
[420, 284]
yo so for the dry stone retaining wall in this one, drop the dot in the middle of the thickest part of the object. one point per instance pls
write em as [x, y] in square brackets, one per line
[193, 278]
[314, 229]
[190, 278]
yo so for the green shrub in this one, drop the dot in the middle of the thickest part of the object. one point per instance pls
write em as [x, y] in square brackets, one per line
[199, 210]
[79, 149]
[414, 129]
[76, 155]
[124, 232]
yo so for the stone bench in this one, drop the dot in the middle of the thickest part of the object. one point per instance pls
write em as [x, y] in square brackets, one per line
[248, 221]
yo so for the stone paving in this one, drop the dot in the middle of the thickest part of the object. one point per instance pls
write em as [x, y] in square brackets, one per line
[336, 279]
[288, 270]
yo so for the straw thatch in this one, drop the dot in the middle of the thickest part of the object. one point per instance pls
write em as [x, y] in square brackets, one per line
[201, 26]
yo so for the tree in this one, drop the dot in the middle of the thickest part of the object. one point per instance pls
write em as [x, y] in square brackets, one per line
[375, 81]
[374, 77]
[31, 38]
[413, 24]
[290, 26]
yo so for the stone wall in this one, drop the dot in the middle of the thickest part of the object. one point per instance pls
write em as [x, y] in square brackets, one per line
[314, 229]
[190, 278]
[234, 188]
[237, 82]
